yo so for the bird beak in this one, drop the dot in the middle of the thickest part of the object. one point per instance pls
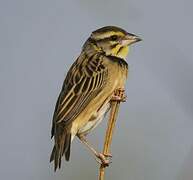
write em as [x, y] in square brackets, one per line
[137, 38]
[130, 39]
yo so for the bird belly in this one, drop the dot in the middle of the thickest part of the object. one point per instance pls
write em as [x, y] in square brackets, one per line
[96, 118]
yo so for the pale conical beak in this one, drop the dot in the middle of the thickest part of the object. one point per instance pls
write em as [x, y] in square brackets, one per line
[137, 38]
[130, 39]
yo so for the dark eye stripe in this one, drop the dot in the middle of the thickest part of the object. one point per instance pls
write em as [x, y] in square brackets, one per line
[104, 39]
[114, 37]
[110, 38]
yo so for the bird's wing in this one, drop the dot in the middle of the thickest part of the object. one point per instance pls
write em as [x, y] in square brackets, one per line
[85, 79]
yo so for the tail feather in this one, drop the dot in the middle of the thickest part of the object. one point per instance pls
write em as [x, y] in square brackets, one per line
[61, 147]
[53, 154]
[67, 147]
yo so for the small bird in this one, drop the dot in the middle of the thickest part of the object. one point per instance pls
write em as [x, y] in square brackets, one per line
[95, 79]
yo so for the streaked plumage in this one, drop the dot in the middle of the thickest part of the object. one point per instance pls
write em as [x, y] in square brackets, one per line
[88, 87]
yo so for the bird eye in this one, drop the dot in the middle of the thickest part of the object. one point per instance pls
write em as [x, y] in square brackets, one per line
[114, 37]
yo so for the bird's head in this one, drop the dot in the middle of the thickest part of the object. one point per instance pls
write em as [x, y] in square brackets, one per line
[113, 41]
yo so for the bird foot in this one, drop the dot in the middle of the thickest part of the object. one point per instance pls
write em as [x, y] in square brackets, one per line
[103, 159]
[119, 95]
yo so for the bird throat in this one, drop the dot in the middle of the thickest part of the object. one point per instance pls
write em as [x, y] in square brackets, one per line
[120, 51]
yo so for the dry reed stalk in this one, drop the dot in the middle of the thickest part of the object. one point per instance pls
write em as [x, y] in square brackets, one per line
[109, 133]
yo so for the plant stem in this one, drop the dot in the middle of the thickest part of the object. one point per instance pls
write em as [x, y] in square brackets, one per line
[109, 133]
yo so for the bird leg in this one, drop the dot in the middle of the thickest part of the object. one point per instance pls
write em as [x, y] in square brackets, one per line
[119, 95]
[103, 157]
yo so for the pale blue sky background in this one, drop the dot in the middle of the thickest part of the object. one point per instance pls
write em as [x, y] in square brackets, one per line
[40, 39]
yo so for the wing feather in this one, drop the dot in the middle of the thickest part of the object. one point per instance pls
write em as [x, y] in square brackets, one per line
[85, 79]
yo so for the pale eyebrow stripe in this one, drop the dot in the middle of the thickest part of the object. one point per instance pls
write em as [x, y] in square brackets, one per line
[103, 36]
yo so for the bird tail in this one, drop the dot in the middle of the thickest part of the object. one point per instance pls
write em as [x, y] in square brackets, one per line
[61, 147]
